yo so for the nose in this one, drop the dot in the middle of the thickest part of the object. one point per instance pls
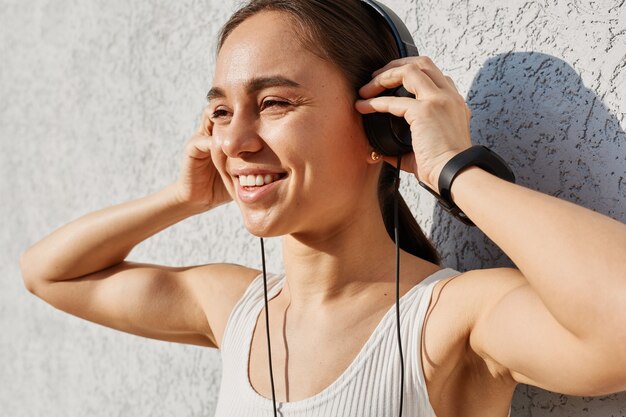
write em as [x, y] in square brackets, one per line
[240, 137]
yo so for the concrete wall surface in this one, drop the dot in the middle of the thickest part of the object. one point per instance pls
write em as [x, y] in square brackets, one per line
[98, 98]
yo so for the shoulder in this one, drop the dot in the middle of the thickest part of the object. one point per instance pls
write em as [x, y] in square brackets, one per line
[456, 304]
[472, 292]
[228, 278]
[217, 288]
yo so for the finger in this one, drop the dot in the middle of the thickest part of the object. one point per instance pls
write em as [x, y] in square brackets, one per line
[424, 63]
[398, 106]
[396, 63]
[202, 126]
[206, 126]
[410, 76]
[199, 146]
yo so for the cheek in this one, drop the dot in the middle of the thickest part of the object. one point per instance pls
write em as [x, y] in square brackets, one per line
[218, 135]
[345, 155]
[217, 155]
[318, 134]
[338, 164]
[344, 144]
[219, 162]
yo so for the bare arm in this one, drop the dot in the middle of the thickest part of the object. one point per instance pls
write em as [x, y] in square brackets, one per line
[101, 239]
[574, 258]
[104, 238]
[80, 267]
[571, 313]
[560, 321]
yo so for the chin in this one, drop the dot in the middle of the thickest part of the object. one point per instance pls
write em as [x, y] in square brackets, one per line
[262, 225]
[263, 231]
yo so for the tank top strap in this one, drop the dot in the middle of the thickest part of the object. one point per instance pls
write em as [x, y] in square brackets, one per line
[242, 320]
[412, 322]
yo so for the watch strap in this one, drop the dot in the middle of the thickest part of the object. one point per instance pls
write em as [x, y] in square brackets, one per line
[477, 155]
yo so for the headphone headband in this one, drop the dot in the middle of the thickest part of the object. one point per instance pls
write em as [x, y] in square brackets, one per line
[388, 134]
[401, 34]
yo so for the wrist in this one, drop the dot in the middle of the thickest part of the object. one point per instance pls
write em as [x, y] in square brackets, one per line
[432, 179]
[175, 201]
[475, 156]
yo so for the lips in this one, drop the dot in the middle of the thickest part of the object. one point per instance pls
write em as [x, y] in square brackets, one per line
[255, 183]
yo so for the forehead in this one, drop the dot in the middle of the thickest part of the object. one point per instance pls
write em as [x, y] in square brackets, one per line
[267, 44]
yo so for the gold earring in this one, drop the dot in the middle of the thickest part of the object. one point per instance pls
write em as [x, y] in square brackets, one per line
[375, 156]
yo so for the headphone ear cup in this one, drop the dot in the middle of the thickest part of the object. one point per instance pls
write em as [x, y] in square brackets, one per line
[386, 133]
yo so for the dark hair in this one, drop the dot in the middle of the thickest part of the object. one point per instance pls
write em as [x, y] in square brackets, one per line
[349, 35]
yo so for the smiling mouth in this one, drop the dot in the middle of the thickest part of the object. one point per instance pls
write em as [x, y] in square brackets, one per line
[253, 181]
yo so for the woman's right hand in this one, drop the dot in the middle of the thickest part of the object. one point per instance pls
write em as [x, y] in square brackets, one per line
[199, 183]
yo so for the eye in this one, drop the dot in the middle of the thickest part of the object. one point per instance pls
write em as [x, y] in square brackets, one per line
[274, 103]
[219, 114]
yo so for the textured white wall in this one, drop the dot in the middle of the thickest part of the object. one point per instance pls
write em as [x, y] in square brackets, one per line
[97, 99]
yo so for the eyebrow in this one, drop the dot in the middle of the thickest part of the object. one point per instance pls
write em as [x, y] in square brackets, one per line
[255, 85]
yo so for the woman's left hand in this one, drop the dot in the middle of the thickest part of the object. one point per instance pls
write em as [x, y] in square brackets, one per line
[438, 115]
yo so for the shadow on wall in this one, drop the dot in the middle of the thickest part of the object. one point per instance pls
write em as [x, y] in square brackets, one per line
[555, 133]
[557, 136]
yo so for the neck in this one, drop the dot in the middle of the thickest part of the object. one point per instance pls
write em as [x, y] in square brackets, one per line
[330, 265]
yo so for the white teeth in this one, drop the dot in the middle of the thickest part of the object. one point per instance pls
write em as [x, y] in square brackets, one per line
[256, 180]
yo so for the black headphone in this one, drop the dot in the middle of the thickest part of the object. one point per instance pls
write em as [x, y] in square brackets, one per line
[388, 134]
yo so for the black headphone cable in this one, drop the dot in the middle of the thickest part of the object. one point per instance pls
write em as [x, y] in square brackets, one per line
[267, 326]
[396, 197]
[396, 239]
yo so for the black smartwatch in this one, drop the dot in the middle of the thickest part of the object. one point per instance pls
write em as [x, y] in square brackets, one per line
[477, 155]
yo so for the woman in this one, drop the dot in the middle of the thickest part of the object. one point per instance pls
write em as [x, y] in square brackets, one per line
[283, 138]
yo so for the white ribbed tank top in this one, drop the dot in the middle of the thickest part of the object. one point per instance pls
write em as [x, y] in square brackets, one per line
[369, 387]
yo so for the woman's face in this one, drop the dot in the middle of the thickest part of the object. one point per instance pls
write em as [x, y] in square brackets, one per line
[288, 142]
